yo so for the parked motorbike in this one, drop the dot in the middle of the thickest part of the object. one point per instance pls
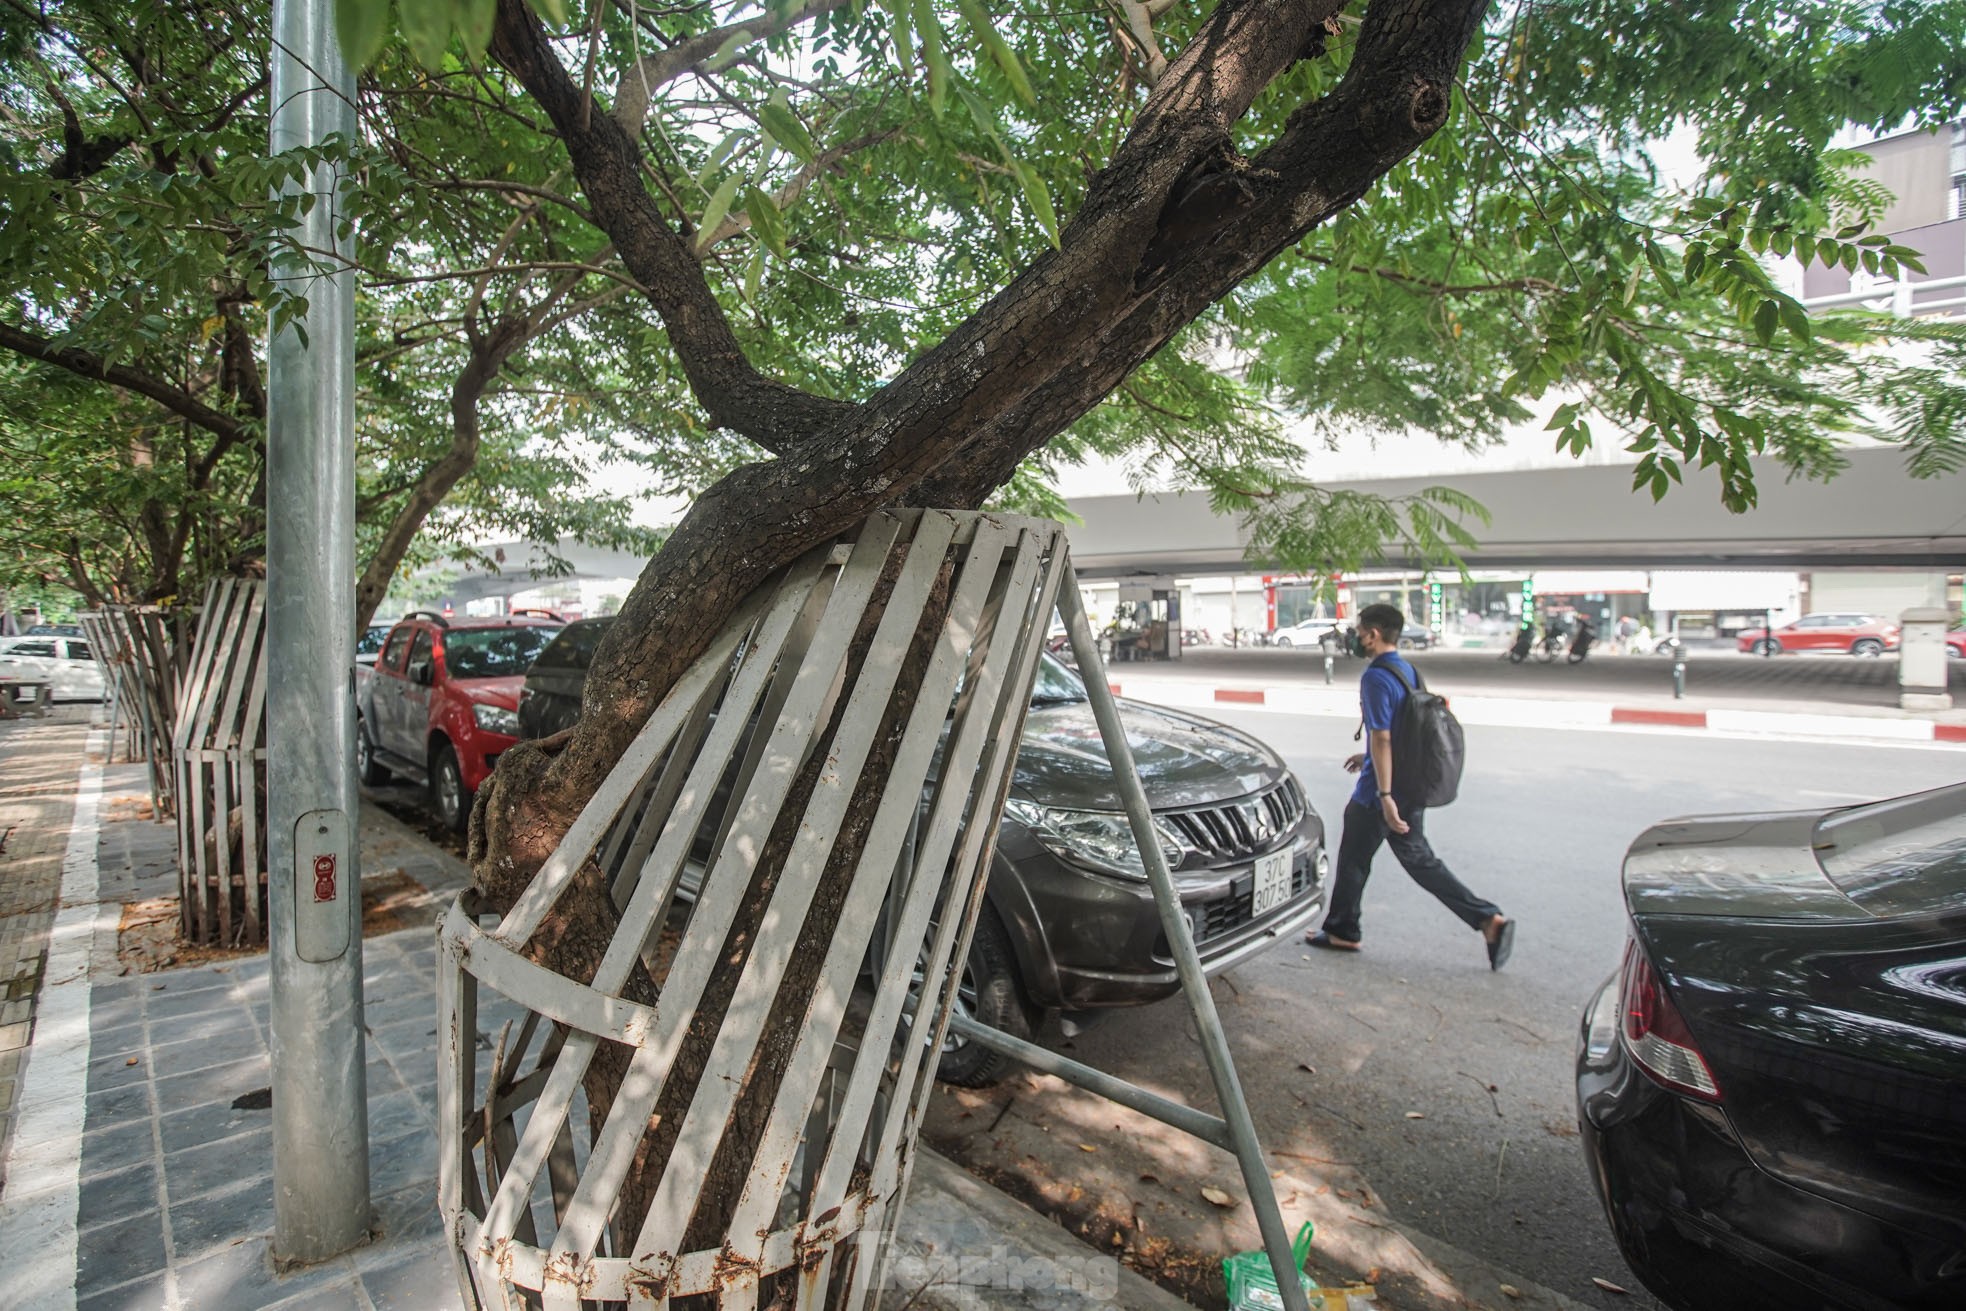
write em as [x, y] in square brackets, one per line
[1551, 646]
[1580, 644]
[1525, 639]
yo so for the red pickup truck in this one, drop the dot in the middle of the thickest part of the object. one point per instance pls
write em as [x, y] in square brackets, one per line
[442, 701]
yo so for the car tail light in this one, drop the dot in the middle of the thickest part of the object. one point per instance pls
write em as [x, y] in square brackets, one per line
[1656, 1034]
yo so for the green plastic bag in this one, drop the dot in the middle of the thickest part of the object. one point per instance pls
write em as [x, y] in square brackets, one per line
[1253, 1284]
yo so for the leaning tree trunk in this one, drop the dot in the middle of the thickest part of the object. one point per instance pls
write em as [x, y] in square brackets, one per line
[1175, 221]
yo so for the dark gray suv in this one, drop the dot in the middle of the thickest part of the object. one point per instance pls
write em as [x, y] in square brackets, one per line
[1068, 921]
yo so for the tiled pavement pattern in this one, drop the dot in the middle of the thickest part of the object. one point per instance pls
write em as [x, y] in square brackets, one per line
[176, 1201]
[38, 760]
[177, 1154]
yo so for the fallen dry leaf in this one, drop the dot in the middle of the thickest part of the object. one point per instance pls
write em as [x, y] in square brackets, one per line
[1416, 1115]
[1510, 1290]
[1307, 1067]
[131, 1061]
[1149, 1179]
[1217, 1196]
[1087, 1147]
[1607, 1285]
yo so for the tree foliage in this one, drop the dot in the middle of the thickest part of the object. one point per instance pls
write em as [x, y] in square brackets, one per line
[143, 214]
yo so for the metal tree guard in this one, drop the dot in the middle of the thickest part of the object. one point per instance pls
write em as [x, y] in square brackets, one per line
[543, 1205]
[218, 751]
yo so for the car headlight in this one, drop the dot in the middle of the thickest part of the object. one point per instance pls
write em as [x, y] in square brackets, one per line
[1100, 838]
[496, 719]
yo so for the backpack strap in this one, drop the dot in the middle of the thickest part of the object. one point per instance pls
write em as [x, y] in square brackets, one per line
[1393, 669]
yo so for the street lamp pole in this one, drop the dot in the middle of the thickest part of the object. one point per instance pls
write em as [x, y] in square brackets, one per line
[320, 1093]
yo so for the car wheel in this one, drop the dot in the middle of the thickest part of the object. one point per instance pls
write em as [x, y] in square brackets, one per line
[1867, 646]
[1766, 647]
[989, 992]
[447, 795]
[366, 768]
[1283, 641]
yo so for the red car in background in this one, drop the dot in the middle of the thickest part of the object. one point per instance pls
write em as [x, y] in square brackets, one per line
[1956, 641]
[1857, 634]
[442, 701]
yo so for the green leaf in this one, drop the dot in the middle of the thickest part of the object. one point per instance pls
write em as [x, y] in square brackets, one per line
[553, 11]
[985, 121]
[934, 53]
[766, 220]
[361, 25]
[1563, 417]
[713, 214]
[474, 24]
[1767, 316]
[1795, 319]
[777, 116]
[904, 34]
[1000, 52]
[1039, 199]
[754, 273]
[427, 27]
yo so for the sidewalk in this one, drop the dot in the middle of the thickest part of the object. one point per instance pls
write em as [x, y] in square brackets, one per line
[140, 1175]
[1819, 697]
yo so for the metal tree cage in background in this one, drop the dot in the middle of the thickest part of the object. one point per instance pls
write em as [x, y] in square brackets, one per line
[218, 755]
[144, 649]
[916, 641]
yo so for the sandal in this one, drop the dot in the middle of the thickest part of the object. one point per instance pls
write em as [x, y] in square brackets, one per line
[1501, 945]
[1328, 943]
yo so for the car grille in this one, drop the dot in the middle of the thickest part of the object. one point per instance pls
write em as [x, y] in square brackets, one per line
[1230, 913]
[1240, 829]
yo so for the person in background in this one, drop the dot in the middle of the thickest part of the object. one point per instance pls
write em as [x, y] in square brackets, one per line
[1373, 816]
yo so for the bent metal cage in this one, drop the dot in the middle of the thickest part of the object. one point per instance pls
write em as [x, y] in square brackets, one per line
[714, 1117]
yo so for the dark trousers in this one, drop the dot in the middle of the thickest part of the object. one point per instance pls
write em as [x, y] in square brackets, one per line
[1365, 830]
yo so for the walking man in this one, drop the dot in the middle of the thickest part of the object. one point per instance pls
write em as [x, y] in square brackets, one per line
[1373, 816]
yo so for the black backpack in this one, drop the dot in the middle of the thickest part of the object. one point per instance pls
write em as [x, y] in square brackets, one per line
[1428, 750]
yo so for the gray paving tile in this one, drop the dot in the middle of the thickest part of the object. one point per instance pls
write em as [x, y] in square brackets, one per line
[217, 1220]
[395, 1115]
[400, 1006]
[170, 1059]
[200, 1025]
[214, 1167]
[119, 1195]
[116, 1106]
[209, 1123]
[337, 1297]
[216, 1083]
[401, 1162]
[114, 1070]
[406, 1221]
[143, 1295]
[105, 1151]
[186, 989]
[114, 1012]
[426, 1282]
[112, 1254]
[240, 1277]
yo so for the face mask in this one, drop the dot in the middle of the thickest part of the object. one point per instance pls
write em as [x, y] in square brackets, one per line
[1358, 644]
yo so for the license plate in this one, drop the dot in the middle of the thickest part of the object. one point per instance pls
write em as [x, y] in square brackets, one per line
[1272, 883]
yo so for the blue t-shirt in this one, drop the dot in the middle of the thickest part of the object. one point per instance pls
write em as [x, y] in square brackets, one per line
[1380, 695]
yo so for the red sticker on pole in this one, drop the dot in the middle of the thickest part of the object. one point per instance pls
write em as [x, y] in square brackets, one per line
[324, 877]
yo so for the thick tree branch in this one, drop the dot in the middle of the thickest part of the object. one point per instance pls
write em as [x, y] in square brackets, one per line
[607, 160]
[653, 71]
[1172, 224]
[90, 365]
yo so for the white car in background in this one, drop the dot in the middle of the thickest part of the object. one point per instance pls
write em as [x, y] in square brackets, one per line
[65, 663]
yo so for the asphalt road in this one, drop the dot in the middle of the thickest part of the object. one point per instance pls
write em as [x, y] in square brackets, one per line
[1418, 1023]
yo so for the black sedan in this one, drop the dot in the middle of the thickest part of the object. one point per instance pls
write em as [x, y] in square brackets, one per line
[1069, 922]
[1772, 1090]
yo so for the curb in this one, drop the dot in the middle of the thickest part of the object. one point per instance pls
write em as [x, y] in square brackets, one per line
[1513, 712]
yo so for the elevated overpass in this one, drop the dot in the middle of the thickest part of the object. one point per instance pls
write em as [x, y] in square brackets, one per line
[1870, 516]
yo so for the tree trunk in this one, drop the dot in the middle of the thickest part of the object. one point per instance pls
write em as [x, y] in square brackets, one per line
[1173, 223]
